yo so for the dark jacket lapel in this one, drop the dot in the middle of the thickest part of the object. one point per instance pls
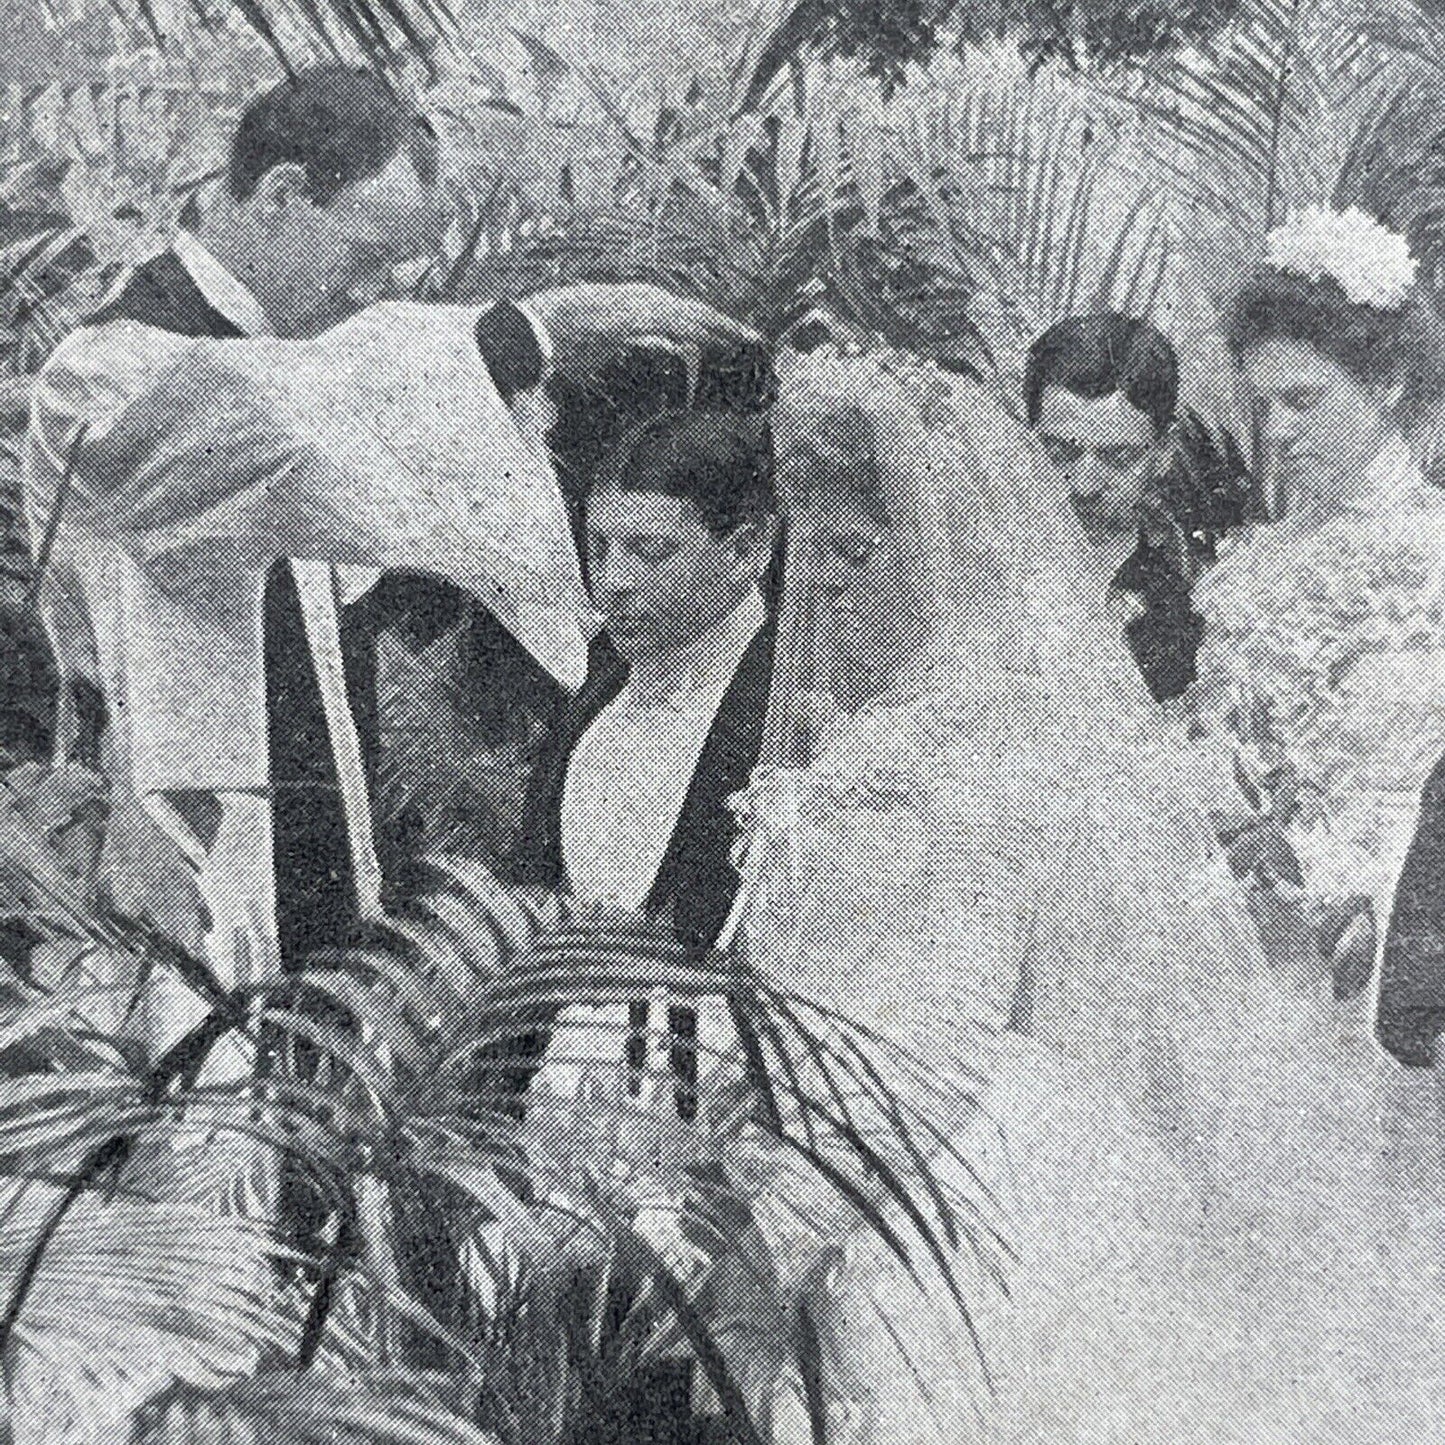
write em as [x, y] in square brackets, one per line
[538, 862]
[161, 293]
[1411, 1013]
[696, 882]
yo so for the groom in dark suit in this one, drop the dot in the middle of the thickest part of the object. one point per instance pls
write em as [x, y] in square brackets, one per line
[630, 805]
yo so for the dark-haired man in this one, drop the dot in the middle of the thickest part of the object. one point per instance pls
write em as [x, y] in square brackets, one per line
[238, 722]
[680, 531]
[578, 367]
[1152, 490]
[629, 808]
[330, 187]
[331, 178]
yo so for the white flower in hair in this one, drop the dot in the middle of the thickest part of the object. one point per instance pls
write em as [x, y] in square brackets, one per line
[1372, 263]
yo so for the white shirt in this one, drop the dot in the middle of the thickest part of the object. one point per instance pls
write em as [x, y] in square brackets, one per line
[631, 770]
[320, 590]
[624, 791]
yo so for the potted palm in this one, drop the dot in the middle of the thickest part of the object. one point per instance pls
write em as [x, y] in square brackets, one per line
[459, 1267]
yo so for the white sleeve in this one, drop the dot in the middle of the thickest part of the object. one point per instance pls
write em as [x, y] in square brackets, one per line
[382, 443]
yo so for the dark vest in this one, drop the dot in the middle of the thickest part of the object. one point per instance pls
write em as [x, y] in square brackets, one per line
[315, 887]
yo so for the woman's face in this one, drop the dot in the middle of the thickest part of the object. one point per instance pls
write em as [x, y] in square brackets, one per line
[873, 613]
[1322, 427]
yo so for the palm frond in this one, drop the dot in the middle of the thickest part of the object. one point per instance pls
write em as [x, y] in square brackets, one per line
[1256, 122]
[377, 1408]
[133, 1296]
[388, 1081]
[1394, 170]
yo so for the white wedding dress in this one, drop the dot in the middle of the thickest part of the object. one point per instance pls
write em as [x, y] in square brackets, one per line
[993, 865]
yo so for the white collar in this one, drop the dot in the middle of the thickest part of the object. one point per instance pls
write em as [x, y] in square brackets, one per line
[222, 290]
[543, 338]
[706, 664]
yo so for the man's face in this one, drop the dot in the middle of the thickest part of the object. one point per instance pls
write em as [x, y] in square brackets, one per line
[1103, 448]
[332, 259]
[657, 574]
[1322, 428]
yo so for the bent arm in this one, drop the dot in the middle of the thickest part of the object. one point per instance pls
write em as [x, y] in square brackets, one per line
[383, 443]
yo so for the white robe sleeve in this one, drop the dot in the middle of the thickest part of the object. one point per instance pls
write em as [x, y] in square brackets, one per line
[382, 443]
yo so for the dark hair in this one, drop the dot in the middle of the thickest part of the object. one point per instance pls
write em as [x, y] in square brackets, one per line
[1374, 345]
[835, 458]
[342, 123]
[1097, 355]
[639, 382]
[720, 461]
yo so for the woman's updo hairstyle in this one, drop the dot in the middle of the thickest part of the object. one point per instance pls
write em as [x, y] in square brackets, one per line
[1361, 309]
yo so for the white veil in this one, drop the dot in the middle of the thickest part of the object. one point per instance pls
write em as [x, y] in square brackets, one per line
[1016, 734]
[976, 862]
[1001, 555]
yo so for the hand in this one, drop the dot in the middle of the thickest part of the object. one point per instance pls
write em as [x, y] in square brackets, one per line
[589, 325]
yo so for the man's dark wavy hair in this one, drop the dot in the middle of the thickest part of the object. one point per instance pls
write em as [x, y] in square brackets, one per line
[1100, 354]
[721, 461]
[341, 123]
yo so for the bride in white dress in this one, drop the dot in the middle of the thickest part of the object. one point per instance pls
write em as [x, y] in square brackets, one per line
[969, 842]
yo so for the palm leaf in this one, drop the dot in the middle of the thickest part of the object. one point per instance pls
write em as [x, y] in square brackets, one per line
[392, 1095]
[1256, 122]
[377, 1408]
[134, 1296]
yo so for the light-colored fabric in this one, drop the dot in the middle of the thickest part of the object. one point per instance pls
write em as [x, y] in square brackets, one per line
[236, 952]
[234, 869]
[1013, 595]
[224, 292]
[987, 864]
[631, 769]
[378, 444]
[1324, 655]
[319, 589]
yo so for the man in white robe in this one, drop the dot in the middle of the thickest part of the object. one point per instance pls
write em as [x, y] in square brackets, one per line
[162, 484]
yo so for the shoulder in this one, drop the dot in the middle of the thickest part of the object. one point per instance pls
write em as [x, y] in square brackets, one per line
[96, 370]
[104, 357]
